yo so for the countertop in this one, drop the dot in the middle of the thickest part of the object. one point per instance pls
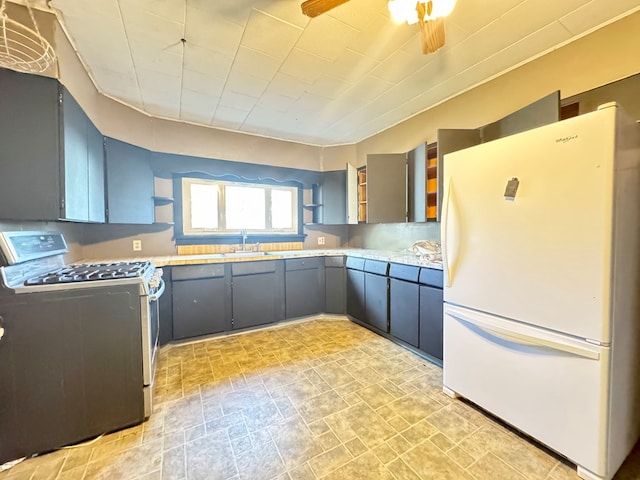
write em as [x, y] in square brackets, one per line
[395, 256]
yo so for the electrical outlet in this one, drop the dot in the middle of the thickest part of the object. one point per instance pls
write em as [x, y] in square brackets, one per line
[320, 240]
[137, 245]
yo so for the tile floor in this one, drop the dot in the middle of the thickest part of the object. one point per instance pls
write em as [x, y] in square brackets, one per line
[321, 399]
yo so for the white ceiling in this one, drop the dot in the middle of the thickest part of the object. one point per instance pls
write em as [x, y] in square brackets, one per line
[261, 67]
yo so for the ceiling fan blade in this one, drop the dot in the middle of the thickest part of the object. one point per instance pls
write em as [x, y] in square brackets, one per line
[313, 8]
[431, 35]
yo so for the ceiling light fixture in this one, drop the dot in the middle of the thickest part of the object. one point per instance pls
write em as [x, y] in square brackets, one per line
[22, 48]
[428, 15]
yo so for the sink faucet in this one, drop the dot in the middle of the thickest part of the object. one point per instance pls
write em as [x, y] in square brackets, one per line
[244, 238]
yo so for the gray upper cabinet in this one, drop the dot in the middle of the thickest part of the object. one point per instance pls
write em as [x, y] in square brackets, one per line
[129, 183]
[334, 197]
[536, 114]
[386, 188]
[83, 165]
[52, 162]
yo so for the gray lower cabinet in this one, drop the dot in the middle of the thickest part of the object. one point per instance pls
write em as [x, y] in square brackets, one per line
[376, 294]
[201, 300]
[55, 387]
[257, 291]
[335, 285]
[304, 286]
[404, 303]
[431, 297]
[129, 183]
[52, 156]
[355, 288]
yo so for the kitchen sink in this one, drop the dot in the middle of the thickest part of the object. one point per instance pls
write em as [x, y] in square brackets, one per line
[244, 254]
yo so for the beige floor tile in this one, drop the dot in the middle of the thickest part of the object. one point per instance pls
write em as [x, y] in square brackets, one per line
[490, 467]
[364, 467]
[210, 458]
[429, 462]
[261, 461]
[329, 461]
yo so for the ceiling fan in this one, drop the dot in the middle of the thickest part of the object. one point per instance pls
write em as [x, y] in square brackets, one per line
[428, 14]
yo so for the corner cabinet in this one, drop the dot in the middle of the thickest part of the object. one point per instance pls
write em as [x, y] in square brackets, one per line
[130, 183]
[52, 159]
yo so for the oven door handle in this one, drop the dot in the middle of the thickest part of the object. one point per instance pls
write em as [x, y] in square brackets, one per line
[159, 292]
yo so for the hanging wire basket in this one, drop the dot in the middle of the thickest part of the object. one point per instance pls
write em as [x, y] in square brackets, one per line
[23, 48]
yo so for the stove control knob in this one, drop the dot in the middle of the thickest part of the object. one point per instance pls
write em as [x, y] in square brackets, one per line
[1, 333]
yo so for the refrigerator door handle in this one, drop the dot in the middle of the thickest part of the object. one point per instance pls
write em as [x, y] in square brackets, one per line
[449, 233]
[524, 339]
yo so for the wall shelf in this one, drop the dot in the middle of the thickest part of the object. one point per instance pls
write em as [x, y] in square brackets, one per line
[160, 200]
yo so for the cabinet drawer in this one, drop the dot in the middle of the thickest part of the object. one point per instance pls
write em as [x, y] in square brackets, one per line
[249, 268]
[302, 263]
[355, 263]
[197, 271]
[334, 261]
[431, 276]
[410, 273]
[376, 266]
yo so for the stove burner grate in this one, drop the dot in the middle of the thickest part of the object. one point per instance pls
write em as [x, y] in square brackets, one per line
[91, 271]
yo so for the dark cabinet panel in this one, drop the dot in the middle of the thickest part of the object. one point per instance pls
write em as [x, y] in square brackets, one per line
[258, 293]
[129, 183]
[75, 165]
[54, 387]
[355, 294]
[201, 300]
[199, 307]
[334, 197]
[304, 282]
[335, 285]
[404, 302]
[95, 153]
[49, 166]
[386, 188]
[377, 301]
[431, 321]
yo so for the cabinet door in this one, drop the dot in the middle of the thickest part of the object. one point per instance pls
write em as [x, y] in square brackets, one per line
[355, 294]
[334, 290]
[199, 307]
[256, 300]
[404, 305]
[334, 197]
[75, 167]
[417, 179]
[352, 195]
[129, 183]
[95, 160]
[431, 321]
[55, 388]
[386, 188]
[304, 282]
[377, 301]
[30, 139]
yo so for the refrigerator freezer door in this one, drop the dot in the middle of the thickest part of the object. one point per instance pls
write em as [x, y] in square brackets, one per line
[527, 226]
[552, 388]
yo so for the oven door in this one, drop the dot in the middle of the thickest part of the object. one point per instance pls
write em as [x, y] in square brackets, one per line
[150, 330]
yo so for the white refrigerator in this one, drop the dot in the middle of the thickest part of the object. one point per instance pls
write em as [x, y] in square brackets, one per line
[541, 253]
